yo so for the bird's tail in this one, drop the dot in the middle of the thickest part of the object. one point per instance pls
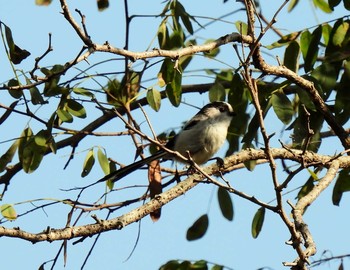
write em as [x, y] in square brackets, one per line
[122, 172]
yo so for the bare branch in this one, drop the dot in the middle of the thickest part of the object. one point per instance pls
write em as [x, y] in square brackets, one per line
[300, 208]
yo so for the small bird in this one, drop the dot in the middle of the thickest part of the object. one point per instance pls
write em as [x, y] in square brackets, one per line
[201, 137]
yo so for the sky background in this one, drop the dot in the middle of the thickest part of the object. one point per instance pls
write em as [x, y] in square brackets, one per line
[226, 243]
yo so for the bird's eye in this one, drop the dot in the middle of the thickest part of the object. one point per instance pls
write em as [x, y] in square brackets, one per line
[222, 109]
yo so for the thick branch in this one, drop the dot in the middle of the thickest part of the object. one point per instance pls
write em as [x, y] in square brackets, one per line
[107, 225]
[309, 159]
[310, 88]
[300, 208]
[175, 54]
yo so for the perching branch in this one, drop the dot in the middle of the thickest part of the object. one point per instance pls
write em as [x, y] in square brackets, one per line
[309, 159]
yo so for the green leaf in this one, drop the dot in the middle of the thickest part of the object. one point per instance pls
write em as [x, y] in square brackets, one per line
[340, 34]
[312, 49]
[119, 93]
[51, 86]
[342, 185]
[285, 40]
[301, 133]
[51, 89]
[176, 39]
[291, 56]
[83, 92]
[238, 98]
[64, 116]
[34, 150]
[43, 2]
[224, 76]
[346, 4]
[251, 133]
[166, 72]
[258, 222]
[9, 38]
[185, 60]
[238, 95]
[130, 85]
[88, 163]
[199, 265]
[103, 161]
[305, 99]
[113, 91]
[16, 53]
[8, 156]
[175, 15]
[225, 203]
[30, 153]
[25, 137]
[326, 75]
[198, 229]
[305, 40]
[213, 53]
[112, 168]
[35, 95]
[326, 33]
[165, 9]
[332, 50]
[313, 175]
[42, 137]
[170, 265]
[333, 3]
[15, 93]
[342, 106]
[102, 4]
[75, 108]
[8, 112]
[172, 78]
[8, 212]
[31, 157]
[217, 267]
[306, 188]
[217, 92]
[250, 165]
[323, 5]
[163, 35]
[154, 99]
[241, 27]
[185, 18]
[292, 5]
[282, 107]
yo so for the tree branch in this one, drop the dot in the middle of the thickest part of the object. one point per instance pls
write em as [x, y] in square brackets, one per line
[299, 209]
[309, 159]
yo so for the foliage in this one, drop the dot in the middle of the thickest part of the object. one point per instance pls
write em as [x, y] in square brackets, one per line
[307, 93]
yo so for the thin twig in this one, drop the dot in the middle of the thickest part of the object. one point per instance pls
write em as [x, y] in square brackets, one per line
[148, 122]
[38, 59]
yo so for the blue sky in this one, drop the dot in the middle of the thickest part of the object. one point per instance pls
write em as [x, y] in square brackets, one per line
[226, 243]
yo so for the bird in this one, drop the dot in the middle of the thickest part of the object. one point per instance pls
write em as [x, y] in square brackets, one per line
[202, 136]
